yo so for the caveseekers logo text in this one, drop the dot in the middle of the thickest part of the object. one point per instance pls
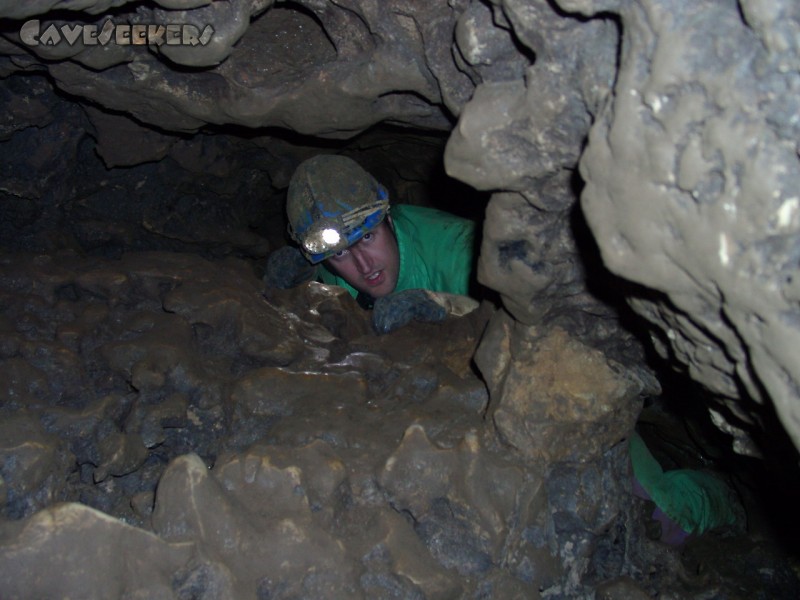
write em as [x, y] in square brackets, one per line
[139, 34]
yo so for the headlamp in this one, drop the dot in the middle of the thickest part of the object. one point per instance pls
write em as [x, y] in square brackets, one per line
[330, 234]
[323, 236]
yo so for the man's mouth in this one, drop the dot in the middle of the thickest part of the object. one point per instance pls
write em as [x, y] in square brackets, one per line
[375, 278]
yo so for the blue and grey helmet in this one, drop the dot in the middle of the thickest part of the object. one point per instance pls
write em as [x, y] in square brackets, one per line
[332, 202]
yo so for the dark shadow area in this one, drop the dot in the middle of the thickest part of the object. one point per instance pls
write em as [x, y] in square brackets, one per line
[681, 434]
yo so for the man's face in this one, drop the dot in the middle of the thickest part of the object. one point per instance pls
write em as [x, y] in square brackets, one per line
[372, 264]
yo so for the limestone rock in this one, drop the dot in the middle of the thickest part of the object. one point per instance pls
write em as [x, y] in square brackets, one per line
[558, 399]
[296, 480]
[120, 454]
[464, 502]
[272, 391]
[622, 588]
[121, 142]
[503, 586]
[519, 137]
[691, 172]
[151, 421]
[33, 466]
[74, 551]
[23, 384]
[587, 507]
[192, 505]
[392, 549]
[418, 472]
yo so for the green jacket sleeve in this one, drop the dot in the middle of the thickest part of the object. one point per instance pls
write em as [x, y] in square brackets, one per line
[696, 500]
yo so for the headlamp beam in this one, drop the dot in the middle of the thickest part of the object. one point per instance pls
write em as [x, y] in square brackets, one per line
[329, 235]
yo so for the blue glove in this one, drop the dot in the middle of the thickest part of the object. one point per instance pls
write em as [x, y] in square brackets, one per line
[287, 268]
[400, 308]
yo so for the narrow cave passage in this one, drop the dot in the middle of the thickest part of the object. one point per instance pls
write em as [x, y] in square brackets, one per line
[194, 433]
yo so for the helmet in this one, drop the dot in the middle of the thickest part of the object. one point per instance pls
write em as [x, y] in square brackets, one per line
[332, 202]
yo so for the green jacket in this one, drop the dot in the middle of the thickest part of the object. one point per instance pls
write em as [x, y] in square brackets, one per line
[436, 251]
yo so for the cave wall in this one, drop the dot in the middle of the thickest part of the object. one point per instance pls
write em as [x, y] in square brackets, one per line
[691, 176]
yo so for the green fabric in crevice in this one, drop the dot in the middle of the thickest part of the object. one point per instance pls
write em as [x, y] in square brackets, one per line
[696, 500]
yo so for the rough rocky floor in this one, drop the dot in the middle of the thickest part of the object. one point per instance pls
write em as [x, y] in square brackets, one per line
[168, 431]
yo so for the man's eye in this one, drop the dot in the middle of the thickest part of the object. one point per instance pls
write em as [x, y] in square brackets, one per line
[367, 237]
[340, 253]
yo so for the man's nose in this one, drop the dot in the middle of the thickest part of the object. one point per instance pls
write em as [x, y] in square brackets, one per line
[363, 260]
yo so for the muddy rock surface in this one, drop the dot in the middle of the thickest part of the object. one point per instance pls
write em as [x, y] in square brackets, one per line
[171, 430]
[691, 176]
[234, 445]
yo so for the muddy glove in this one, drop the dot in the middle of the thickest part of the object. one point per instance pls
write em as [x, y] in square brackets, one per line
[287, 268]
[400, 308]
